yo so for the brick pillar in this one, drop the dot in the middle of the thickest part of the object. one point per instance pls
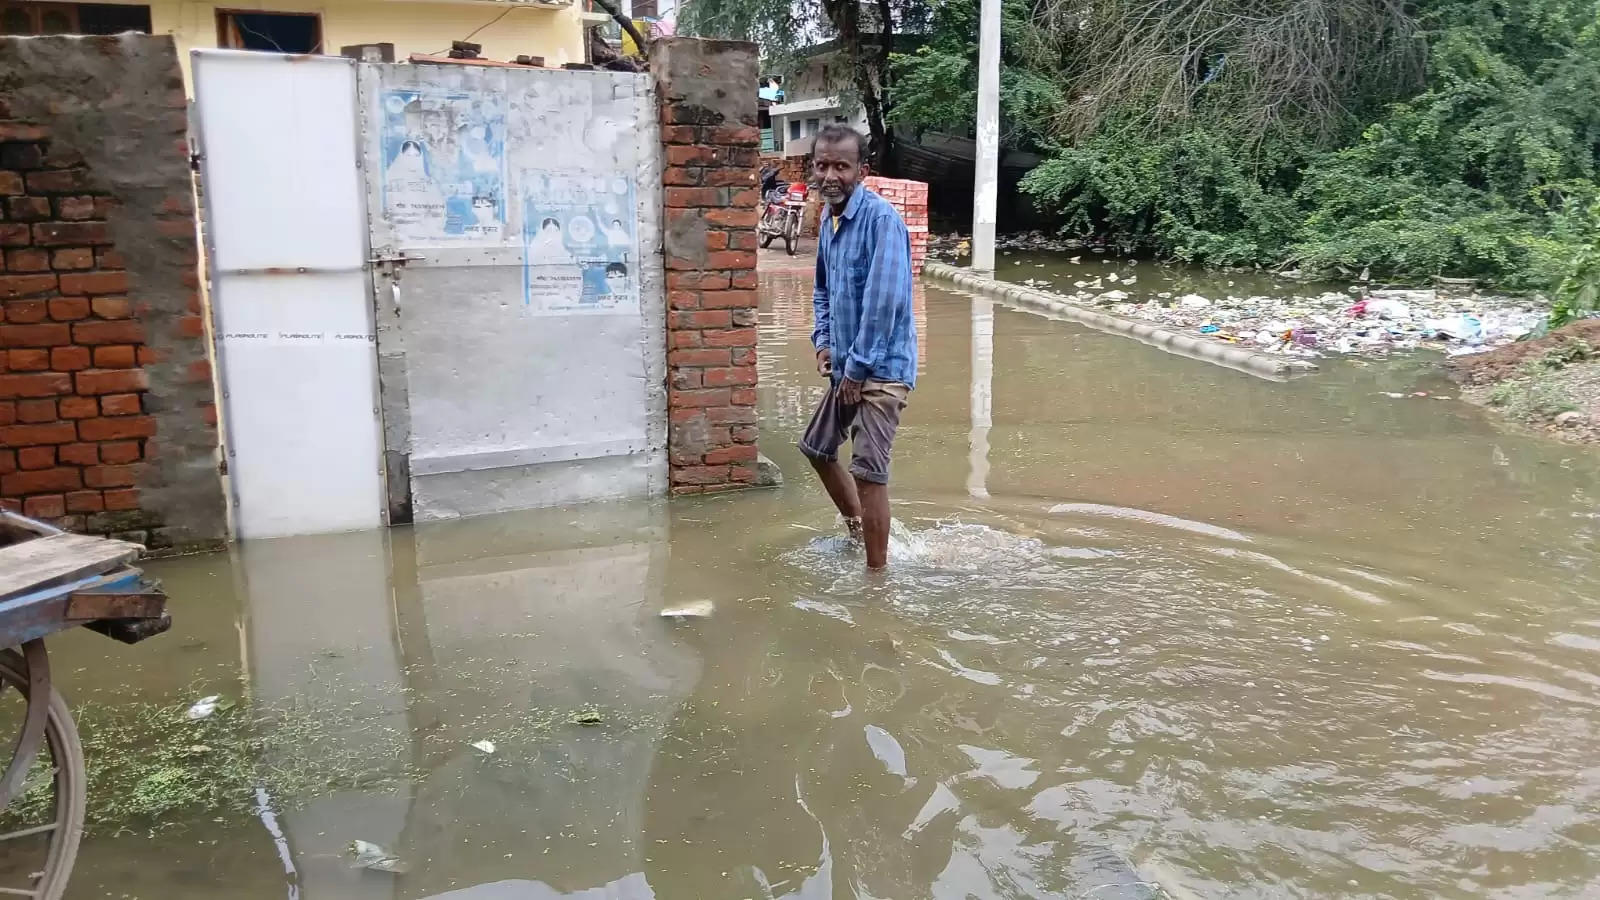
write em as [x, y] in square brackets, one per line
[711, 149]
[910, 199]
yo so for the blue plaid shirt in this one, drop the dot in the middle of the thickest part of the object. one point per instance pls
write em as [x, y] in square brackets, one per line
[862, 297]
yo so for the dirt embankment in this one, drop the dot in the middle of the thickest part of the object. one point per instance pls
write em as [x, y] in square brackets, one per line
[1550, 383]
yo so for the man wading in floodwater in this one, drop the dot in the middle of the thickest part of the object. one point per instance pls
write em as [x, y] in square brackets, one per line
[865, 338]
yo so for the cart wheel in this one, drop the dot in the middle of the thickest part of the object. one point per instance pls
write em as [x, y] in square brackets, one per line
[40, 845]
[766, 239]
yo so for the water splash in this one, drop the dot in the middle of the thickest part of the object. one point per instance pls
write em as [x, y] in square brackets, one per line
[948, 547]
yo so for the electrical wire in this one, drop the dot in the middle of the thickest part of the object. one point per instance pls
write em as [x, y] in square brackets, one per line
[478, 29]
[256, 34]
[488, 23]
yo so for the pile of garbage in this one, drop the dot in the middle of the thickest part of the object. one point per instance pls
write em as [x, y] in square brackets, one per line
[1038, 240]
[1359, 321]
[1362, 320]
[953, 247]
[948, 248]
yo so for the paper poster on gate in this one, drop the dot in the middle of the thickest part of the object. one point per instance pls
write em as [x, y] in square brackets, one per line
[580, 241]
[444, 166]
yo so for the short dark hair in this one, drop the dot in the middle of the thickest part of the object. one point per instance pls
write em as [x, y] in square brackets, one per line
[835, 133]
[617, 268]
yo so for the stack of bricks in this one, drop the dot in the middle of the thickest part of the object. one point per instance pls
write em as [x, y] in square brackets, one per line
[73, 419]
[790, 168]
[710, 150]
[910, 198]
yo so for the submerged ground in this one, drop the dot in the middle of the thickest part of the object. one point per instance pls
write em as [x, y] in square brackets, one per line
[1152, 628]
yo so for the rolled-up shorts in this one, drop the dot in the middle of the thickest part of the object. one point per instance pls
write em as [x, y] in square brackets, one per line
[870, 426]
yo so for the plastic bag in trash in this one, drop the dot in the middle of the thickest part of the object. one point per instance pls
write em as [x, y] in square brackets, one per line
[371, 856]
[1387, 308]
[1464, 327]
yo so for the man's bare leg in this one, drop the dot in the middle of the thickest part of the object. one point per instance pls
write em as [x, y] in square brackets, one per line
[842, 490]
[875, 521]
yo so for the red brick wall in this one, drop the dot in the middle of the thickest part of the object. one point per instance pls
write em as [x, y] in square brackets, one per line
[710, 151]
[72, 392]
[88, 323]
[790, 168]
[910, 198]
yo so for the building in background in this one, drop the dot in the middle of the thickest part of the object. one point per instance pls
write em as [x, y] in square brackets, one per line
[553, 29]
[812, 98]
[769, 94]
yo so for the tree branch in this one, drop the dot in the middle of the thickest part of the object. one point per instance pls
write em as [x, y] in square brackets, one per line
[627, 25]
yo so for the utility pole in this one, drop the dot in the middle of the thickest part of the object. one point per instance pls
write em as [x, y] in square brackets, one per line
[986, 175]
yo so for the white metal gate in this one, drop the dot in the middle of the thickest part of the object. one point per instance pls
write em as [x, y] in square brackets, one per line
[515, 221]
[437, 289]
[286, 247]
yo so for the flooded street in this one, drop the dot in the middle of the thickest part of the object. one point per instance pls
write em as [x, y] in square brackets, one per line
[1152, 628]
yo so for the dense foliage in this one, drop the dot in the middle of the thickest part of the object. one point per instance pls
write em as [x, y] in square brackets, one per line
[1431, 137]
[935, 88]
[1578, 294]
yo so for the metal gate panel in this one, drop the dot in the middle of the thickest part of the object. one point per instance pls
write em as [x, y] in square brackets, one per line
[286, 242]
[521, 322]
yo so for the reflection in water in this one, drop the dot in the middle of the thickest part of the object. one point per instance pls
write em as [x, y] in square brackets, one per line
[1204, 636]
[631, 887]
[319, 632]
[982, 395]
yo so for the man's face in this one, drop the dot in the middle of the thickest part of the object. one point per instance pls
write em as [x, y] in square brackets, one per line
[837, 168]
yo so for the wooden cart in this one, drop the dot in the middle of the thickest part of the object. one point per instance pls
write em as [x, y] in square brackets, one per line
[50, 581]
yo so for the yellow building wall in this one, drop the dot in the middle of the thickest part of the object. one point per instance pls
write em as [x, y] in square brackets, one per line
[413, 27]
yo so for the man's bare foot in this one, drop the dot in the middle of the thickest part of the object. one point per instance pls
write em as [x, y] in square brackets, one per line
[852, 524]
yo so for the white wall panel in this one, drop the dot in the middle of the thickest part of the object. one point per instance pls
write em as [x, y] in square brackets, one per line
[284, 204]
[280, 160]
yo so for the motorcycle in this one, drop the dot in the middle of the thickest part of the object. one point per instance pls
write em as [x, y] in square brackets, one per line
[781, 213]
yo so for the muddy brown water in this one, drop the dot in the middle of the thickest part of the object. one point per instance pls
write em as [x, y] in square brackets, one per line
[1152, 628]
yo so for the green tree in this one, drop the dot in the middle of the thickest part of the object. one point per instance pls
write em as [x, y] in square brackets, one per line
[1411, 137]
[1487, 171]
[936, 87]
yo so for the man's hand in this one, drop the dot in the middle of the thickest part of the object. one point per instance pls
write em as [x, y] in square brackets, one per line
[849, 392]
[825, 362]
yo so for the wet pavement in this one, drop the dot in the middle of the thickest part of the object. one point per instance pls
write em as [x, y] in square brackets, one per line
[1152, 628]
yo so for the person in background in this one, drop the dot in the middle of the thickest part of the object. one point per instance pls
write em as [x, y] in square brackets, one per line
[865, 337]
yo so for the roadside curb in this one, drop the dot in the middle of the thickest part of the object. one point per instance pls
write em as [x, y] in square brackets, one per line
[1263, 365]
